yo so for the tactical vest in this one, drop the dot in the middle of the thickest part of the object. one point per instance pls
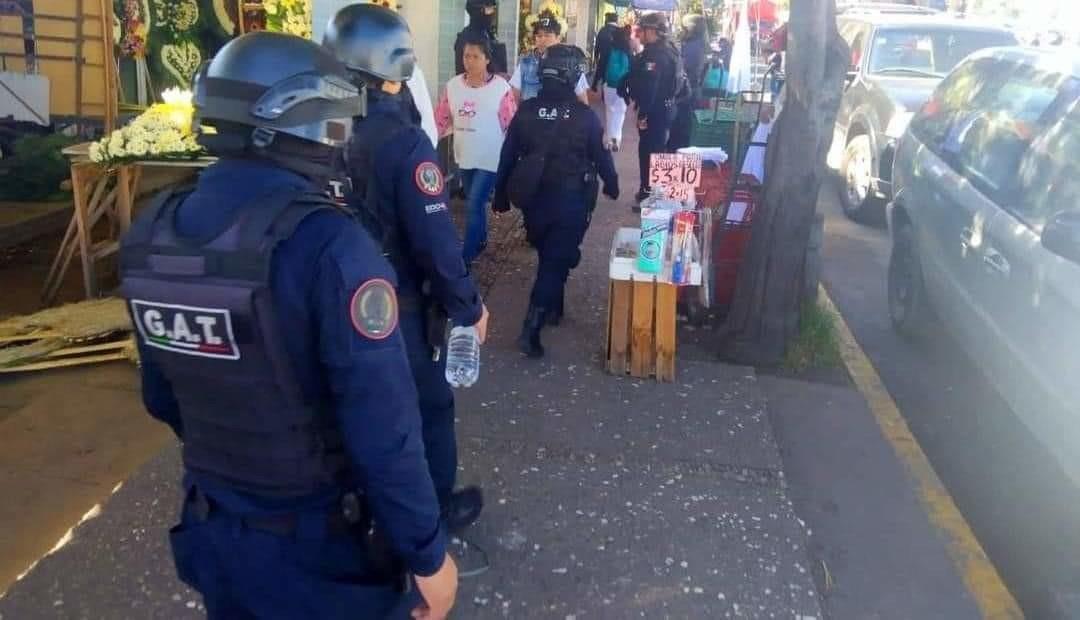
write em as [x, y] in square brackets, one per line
[561, 130]
[365, 200]
[204, 312]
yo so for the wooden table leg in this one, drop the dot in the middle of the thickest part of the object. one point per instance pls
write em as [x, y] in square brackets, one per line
[79, 174]
[128, 182]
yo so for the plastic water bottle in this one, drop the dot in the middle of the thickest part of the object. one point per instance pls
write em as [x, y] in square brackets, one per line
[463, 357]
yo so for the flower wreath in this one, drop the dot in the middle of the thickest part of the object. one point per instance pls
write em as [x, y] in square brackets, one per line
[551, 10]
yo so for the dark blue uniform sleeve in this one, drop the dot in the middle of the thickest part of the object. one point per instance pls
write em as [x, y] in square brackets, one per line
[605, 164]
[374, 395]
[157, 393]
[511, 150]
[424, 216]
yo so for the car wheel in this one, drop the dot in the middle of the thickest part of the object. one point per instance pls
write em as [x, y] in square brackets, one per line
[857, 175]
[909, 306]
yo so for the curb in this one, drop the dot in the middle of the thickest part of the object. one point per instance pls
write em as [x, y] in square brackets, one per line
[981, 578]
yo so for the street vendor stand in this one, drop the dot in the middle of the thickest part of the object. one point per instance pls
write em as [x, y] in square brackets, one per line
[100, 191]
[649, 265]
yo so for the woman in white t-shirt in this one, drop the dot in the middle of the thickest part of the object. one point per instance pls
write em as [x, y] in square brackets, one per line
[547, 31]
[476, 107]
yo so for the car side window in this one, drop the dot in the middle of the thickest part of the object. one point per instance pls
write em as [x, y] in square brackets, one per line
[989, 143]
[983, 118]
[1048, 181]
[953, 99]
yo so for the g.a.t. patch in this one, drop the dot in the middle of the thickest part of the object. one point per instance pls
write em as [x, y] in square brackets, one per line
[374, 309]
[429, 179]
[186, 330]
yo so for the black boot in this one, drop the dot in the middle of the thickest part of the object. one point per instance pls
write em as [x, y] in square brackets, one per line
[463, 509]
[529, 340]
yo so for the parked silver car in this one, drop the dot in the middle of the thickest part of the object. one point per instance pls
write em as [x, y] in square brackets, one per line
[985, 223]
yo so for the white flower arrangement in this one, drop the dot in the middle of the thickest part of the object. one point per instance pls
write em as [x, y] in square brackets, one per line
[161, 132]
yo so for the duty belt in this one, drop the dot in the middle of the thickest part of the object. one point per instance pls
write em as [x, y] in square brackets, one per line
[351, 516]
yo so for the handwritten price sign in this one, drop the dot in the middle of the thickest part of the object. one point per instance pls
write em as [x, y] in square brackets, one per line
[679, 174]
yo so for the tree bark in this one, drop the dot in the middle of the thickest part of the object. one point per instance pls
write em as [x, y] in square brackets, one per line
[764, 315]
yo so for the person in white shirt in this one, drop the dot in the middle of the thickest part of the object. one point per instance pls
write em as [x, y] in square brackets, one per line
[476, 107]
[547, 31]
[422, 100]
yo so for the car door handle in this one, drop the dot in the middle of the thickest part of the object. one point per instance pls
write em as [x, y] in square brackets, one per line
[967, 238]
[996, 263]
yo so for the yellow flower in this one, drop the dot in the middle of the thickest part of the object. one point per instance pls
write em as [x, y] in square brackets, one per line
[97, 155]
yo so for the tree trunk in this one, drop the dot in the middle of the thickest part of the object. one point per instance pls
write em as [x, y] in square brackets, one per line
[765, 311]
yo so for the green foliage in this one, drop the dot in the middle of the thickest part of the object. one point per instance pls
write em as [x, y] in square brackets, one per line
[816, 346]
[36, 170]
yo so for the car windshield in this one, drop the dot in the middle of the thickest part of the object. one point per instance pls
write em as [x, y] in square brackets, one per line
[929, 53]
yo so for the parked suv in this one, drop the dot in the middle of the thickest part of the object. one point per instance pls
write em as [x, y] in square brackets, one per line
[896, 61]
[986, 231]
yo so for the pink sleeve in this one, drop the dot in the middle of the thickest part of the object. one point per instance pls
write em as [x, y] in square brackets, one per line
[444, 120]
[507, 109]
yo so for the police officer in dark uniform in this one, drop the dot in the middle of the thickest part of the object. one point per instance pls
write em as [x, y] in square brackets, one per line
[268, 329]
[481, 26]
[559, 139]
[400, 194]
[653, 84]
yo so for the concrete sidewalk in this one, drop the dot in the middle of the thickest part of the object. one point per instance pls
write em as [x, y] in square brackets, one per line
[608, 497]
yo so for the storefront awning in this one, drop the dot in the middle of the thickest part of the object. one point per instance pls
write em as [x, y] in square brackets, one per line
[655, 5]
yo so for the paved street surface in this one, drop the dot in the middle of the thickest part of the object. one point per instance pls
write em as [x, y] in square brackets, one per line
[1020, 504]
[725, 494]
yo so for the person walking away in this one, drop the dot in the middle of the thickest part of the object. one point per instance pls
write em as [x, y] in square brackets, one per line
[268, 335]
[693, 48]
[399, 193]
[652, 84]
[616, 69]
[551, 158]
[547, 31]
[604, 40]
[476, 107]
[481, 25]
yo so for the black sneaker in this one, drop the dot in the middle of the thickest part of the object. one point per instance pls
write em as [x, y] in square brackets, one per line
[464, 509]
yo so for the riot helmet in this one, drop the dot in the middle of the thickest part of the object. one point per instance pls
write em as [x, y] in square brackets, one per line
[481, 13]
[657, 22]
[374, 42]
[563, 64]
[265, 90]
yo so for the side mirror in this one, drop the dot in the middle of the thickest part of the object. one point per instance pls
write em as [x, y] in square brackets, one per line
[1062, 235]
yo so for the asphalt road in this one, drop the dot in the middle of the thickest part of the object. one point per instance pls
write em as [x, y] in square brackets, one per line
[1023, 509]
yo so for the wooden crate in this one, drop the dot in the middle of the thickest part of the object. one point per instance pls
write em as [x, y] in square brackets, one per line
[641, 329]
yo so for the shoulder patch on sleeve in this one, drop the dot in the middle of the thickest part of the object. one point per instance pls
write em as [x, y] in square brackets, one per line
[429, 178]
[374, 309]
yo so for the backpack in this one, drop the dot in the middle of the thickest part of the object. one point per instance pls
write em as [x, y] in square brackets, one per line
[617, 68]
[682, 90]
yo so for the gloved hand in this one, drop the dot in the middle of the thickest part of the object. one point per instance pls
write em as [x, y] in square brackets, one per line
[611, 192]
[500, 203]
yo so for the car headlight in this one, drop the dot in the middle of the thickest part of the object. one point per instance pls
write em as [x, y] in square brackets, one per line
[898, 124]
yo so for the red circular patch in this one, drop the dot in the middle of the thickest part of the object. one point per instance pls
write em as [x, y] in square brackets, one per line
[429, 179]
